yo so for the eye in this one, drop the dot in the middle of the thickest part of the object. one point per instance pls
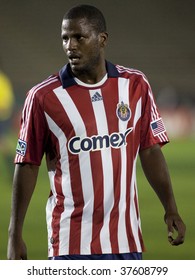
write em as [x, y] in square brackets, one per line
[64, 38]
[79, 37]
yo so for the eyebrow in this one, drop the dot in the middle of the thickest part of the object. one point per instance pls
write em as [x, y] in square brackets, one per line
[78, 34]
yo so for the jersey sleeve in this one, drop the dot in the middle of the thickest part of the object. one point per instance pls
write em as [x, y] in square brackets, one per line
[153, 130]
[33, 132]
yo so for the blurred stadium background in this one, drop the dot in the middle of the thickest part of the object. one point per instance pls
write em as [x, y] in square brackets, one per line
[154, 36]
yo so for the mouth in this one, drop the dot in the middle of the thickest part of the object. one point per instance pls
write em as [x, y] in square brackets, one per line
[74, 59]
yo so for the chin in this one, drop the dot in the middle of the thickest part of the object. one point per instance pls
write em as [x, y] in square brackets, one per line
[76, 68]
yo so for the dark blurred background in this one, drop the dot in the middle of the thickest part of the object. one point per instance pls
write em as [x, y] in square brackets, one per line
[154, 36]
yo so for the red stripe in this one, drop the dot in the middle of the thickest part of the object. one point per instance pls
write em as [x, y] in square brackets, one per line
[76, 217]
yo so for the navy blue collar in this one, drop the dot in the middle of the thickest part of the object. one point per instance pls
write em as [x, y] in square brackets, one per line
[67, 79]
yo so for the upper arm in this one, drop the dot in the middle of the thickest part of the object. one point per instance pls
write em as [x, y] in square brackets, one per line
[154, 165]
[26, 174]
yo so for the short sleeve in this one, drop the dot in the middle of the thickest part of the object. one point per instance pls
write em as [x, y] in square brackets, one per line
[33, 132]
[153, 130]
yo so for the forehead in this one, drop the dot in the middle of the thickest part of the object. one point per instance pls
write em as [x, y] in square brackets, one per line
[76, 25]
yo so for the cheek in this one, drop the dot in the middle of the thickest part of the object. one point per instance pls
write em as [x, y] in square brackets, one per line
[64, 47]
[94, 50]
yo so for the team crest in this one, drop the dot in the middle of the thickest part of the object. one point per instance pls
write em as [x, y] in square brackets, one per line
[123, 111]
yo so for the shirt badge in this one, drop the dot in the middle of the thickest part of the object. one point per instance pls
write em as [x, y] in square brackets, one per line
[157, 127]
[21, 147]
[123, 111]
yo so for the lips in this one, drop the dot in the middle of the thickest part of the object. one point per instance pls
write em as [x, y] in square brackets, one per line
[73, 58]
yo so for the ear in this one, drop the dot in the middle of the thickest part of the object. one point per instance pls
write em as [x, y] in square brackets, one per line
[103, 38]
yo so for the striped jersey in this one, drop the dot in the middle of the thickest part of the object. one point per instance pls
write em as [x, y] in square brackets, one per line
[91, 136]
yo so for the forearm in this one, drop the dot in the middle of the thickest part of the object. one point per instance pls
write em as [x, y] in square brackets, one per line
[156, 171]
[24, 182]
[157, 174]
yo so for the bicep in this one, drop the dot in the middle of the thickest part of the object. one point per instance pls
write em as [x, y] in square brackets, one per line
[25, 176]
[154, 165]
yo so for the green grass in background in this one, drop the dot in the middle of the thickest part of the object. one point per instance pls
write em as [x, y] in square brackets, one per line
[180, 156]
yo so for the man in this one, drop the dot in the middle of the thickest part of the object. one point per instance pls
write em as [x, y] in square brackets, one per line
[91, 120]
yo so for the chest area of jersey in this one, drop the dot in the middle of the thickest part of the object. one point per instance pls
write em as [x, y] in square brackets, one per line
[92, 117]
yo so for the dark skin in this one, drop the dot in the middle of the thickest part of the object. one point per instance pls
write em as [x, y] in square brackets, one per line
[157, 174]
[84, 48]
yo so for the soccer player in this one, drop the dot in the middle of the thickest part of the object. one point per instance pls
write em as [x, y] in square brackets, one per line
[91, 120]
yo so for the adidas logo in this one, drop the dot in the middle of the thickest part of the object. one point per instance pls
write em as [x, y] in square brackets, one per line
[96, 97]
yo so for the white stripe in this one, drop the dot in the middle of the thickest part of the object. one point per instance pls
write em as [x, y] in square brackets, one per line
[84, 162]
[66, 189]
[102, 128]
[123, 91]
[49, 209]
[123, 69]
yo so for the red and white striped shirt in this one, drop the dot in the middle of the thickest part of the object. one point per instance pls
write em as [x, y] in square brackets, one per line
[91, 135]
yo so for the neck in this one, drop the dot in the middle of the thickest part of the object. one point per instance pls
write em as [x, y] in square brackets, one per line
[92, 75]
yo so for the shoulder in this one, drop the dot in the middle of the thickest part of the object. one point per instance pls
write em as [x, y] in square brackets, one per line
[45, 86]
[40, 90]
[131, 73]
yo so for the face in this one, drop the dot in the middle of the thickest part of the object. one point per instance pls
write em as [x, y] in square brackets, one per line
[82, 45]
